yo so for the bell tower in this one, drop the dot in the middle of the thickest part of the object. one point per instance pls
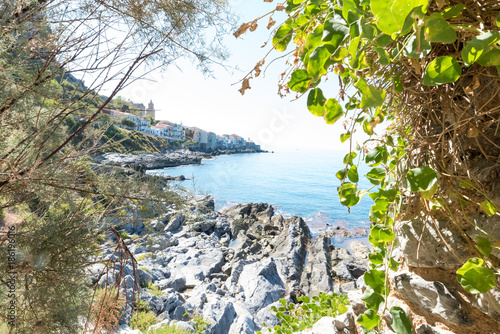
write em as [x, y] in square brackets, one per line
[151, 109]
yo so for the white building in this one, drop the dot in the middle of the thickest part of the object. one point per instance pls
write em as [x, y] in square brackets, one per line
[142, 124]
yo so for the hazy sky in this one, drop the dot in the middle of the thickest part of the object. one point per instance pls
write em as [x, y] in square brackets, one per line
[214, 104]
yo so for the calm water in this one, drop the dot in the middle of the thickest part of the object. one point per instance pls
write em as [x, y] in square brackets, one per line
[301, 183]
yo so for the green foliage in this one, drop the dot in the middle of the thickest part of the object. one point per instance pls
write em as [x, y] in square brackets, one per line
[400, 321]
[475, 277]
[124, 235]
[152, 288]
[128, 122]
[295, 318]
[142, 257]
[369, 319]
[442, 70]
[167, 329]
[200, 324]
[143, 320]
[143, 317]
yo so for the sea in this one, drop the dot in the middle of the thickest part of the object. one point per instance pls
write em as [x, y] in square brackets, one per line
[297, 183]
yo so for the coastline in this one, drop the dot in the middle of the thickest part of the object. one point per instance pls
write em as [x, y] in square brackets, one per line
[149, 161]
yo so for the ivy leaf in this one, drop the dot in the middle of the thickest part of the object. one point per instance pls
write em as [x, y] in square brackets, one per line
[381, 233]
[385, 20]
[475, 277]
[383, 40]
[453, 11]
[478, 46]
[376, 175]
[490, 58]
[345, 136]
[333, 111]
[369, 319]
[372, 299]
[391, 14]
[400, 321]
[376, 259]
[348, 5]
[348, 194]
[313, 39]
[394, 264]
[318, 63]
[402, 8]
[422, 179]
[349, 158]
[488, 207]
[340, 174]
[498, 20]
[438, 30]
[484, 246]
[390, 195]
[282, 37]
[442, 70]
[383, 56]
[371, 96]
[334, 32]
[352, 174]
[300, 81]
[375, 279]
[376, 156]
[381, 204]
[316, 102]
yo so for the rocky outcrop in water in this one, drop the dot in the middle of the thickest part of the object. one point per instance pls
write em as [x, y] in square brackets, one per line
[231, 266]
[147, 161]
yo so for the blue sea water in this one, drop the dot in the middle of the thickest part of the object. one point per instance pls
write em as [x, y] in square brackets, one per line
[300, 183]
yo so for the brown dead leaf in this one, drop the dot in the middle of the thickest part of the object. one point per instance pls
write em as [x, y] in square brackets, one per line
[476, 83]
[280, 8]
[244, 27]
[268, 0]
[257, 68]
[244, 86]
[271, 22]
[472, 133]
[253, 26]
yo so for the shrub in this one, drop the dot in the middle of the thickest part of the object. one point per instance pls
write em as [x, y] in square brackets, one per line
[124, 235]
[142, 257]
[143, 317]
[295, 318]
[153, 289]
[128, 123]
[167, 329]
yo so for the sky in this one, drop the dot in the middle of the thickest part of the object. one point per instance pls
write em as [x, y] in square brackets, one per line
[183, 94]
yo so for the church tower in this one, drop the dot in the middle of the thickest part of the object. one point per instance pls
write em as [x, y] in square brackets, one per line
[151, 109]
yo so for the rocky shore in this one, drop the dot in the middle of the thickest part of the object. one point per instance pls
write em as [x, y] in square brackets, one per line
[231, 266]
[148, 161]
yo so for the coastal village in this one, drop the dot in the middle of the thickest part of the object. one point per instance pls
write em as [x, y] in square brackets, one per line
[135, 116]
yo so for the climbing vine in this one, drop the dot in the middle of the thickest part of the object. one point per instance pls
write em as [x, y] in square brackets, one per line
[425, 75]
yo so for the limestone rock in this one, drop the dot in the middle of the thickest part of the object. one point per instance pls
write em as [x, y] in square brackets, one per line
[316, 275]
[261, 284]
[431, 296]
[221, 315]
[434, 253]
[427, 329]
